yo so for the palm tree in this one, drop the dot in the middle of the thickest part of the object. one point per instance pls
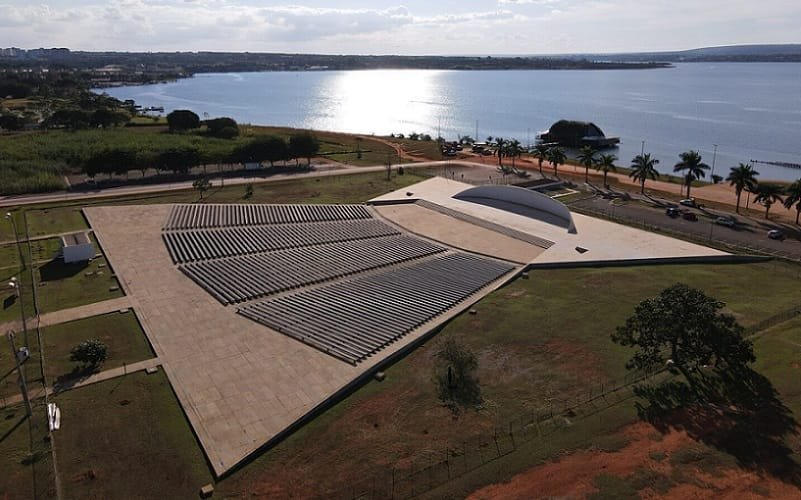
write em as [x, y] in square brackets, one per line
[793, 193]
[644, 167]
[586, 158]
[694, 167]
[541, 154]
[742, 177]
[556, 156]
[500, 150]
[605, 164]
[514, 150]
[767, 194]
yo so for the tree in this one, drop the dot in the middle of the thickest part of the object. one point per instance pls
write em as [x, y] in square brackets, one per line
[202, 185]
[182, 119]
[455, 375]
[178, 159]
[500, 150]
[692, 167]
[684, 328]
[767, 195]
[90, 352]
[541, 154]
[793, 197]
[606, 162]
[586, 158]
[514, 149]
[303, 145]
[742, 177]
[224, 128]
[556, 156]
[644, 167]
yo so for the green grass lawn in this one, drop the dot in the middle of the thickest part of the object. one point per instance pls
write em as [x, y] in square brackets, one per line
[539, 341]
[10, 303]
[127, 438]
[25, 459]
[121, 333]
[55, 221]
[62, 286]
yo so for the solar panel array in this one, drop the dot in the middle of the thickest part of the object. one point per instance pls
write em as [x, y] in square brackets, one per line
[242, 253]
[353, 319]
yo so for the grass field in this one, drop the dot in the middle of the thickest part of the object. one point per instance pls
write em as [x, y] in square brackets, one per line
[121, 333]
[62, 286]
[127, 438]
[25, 459]
[45, 221]
[539, 341]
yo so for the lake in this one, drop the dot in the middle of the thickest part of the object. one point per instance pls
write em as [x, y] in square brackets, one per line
[751, 111]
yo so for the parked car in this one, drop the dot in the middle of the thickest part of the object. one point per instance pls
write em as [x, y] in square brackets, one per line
[672, 212]
[726, 221]
[776, 234]
[688, 202]
[689, 216]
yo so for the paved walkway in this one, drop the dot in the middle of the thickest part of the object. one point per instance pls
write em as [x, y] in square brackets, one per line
[84, 381]
[87, 311]
[71, 314]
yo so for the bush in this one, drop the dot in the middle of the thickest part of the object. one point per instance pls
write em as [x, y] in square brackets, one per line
[455, 375]
[90, 352]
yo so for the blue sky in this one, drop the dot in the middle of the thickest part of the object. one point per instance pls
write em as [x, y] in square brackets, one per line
[398, 27]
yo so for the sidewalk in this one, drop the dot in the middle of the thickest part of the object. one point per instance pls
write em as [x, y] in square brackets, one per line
[84, 381]
[87, 311]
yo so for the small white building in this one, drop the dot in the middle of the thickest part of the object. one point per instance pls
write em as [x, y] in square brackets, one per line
[77, 247]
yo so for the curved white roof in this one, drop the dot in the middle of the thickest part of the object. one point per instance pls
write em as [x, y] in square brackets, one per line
[521, 201]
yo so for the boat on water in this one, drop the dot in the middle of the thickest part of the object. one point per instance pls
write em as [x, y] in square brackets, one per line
[575, 134]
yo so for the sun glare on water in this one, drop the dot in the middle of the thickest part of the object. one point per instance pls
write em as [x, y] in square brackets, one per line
[379, 102]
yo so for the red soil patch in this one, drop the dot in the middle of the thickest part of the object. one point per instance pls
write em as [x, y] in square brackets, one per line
[572, 476]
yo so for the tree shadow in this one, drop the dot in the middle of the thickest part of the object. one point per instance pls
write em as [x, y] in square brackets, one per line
[77, 375]
[56, 270]
[738, 412]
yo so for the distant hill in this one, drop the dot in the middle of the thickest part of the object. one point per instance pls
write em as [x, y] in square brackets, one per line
[730, 53]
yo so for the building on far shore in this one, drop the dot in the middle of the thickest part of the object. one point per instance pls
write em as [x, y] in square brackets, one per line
[77, 247]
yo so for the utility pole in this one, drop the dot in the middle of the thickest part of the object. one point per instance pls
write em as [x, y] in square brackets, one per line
[22, 385]
[17, 286]
[642, 149]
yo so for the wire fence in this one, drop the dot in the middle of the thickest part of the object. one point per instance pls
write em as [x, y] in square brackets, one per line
[435, 468]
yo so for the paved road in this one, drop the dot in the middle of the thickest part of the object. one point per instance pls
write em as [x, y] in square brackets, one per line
[64, 196]
[748, 234]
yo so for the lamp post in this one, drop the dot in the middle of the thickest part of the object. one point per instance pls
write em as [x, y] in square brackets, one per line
[23, 386]
[17, 286]
[9, 217]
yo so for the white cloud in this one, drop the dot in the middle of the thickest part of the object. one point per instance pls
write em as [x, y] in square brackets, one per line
[420, 27]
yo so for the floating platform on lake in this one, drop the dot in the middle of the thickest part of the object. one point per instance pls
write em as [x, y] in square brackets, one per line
[575, 134]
